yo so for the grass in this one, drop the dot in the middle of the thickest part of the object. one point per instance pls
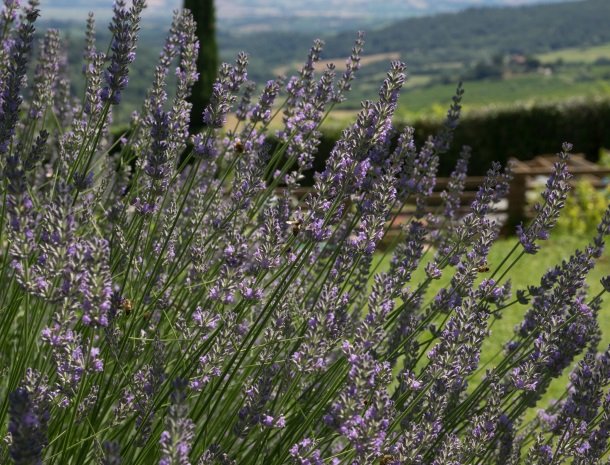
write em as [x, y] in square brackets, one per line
[527, 271]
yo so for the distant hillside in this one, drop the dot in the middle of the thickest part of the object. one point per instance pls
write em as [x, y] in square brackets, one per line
[257, 15]
[335, 15]
[462, 37]
[504, 55]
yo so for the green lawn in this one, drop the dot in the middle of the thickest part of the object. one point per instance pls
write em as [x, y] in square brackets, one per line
[527, 271]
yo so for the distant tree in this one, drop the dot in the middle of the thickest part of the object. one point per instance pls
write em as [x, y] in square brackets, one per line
[207, 61]
[485, 70]
[532, 63]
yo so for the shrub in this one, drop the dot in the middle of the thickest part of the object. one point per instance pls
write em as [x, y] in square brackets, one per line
[173, 303]
[520, 132]
[584, 208]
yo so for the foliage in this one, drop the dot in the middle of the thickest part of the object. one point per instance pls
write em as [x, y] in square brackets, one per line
[466, 37]
[168, 298]
[529, 131]
[493, 133]
[584, 208]
[207, 59]
[604, 158]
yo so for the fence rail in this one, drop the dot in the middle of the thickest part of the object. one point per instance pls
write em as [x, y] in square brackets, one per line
[524, 172]
[514, 208]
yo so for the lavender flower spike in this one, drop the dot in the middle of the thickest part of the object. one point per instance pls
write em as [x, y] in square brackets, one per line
[10, 97]
[352, 65]
[112, 453]
[45, 75]
[176, 439]
[28, 428]
[554, 196]
[124, 27]
[230, 79]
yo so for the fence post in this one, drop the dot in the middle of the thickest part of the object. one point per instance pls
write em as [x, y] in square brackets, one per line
[517, 200]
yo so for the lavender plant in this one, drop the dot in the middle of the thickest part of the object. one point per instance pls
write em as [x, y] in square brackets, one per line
[169, 297]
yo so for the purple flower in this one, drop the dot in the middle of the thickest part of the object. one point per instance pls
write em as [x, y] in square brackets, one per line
[45, 74]
[112, 453]
[352, 65]
[28, 420]
[223, 92]
[10, 98]
[554, 196]
[261, 112]
[177, 437]
[124, 27]
[198, 257]
[304, 453]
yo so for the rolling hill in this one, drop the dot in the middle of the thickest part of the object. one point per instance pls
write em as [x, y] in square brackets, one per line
[462, 37]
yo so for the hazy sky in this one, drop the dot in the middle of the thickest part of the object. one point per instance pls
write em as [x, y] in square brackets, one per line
[231, 9]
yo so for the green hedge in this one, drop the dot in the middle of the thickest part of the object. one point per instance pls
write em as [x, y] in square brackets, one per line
[522, 133]
[518, 132]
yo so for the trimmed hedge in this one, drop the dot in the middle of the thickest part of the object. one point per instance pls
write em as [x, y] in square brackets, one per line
[521, 132]
[499, 135]
[524, 133]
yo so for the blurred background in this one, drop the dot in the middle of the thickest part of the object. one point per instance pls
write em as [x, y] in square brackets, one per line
[535, 72]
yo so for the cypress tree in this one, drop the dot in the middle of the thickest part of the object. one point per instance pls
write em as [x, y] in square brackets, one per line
[207, 60]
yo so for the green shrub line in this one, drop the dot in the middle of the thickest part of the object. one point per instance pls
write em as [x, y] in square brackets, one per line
[521, 132]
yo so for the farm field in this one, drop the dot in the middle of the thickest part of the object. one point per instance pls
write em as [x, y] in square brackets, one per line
[578, 55]
[489, 94]
[425, 97]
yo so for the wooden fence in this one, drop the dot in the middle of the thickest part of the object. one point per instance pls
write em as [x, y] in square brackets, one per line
[514, 208]
[525, 172]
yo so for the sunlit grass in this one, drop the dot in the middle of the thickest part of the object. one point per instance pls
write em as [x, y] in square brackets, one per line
[526, 272]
